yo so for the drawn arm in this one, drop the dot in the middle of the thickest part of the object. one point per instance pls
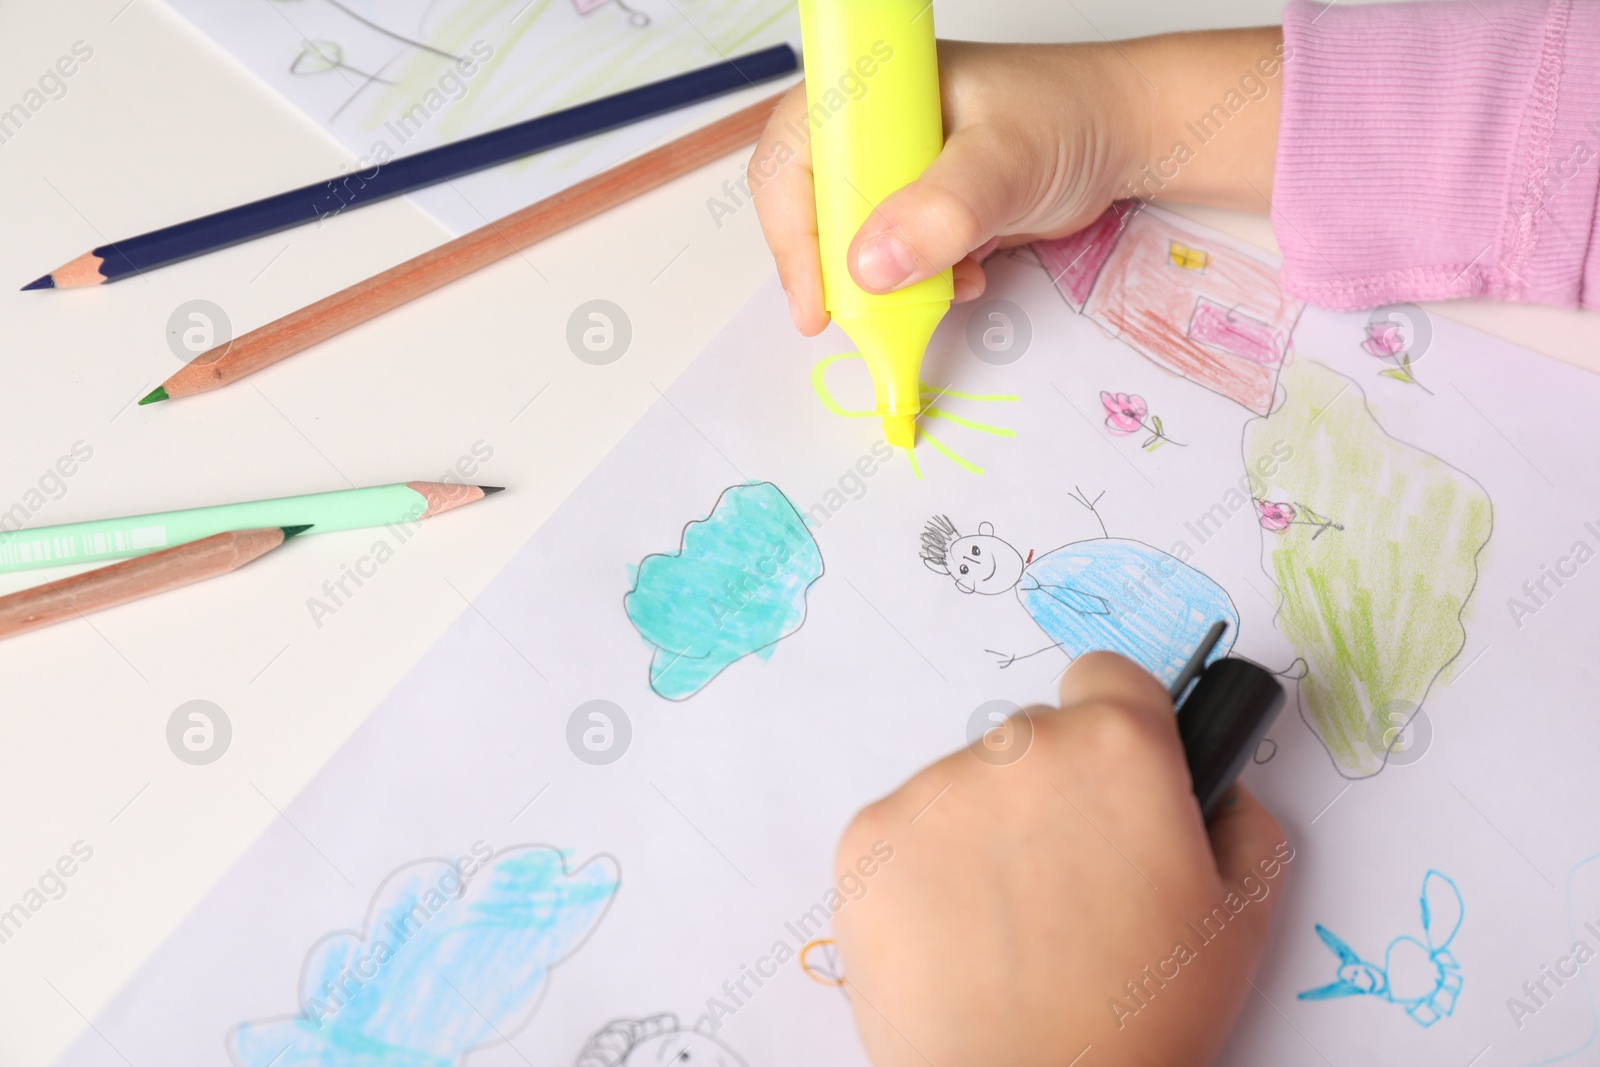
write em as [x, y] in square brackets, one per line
[1008, 658]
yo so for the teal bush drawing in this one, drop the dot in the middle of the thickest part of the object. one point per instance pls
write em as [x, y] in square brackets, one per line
[736, 586]
[1420, 976]
[453, 957]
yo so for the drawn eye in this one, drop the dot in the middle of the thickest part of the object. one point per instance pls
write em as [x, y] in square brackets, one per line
[963, 568]
[976, 551]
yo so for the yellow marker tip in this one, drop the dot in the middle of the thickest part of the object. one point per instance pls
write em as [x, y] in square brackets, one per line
[900, 430]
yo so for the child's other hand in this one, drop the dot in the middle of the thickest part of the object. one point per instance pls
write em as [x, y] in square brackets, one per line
[1022, 898]
[1039, 139]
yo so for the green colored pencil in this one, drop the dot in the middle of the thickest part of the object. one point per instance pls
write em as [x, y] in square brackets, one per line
[348, 509]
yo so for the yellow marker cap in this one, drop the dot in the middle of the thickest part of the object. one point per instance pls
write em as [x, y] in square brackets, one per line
[872, 92]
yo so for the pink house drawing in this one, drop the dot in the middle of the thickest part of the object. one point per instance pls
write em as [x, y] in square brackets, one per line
[1205, 312]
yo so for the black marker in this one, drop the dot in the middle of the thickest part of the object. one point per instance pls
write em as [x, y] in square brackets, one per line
[1224, 717]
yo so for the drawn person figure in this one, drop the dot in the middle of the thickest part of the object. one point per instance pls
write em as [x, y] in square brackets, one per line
[1421, 976]
[1101, 594]
[654, 1041]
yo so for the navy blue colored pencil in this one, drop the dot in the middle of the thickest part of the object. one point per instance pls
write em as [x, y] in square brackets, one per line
[297, 207]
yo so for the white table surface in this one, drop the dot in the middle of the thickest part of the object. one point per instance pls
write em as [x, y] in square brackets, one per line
[159, 125]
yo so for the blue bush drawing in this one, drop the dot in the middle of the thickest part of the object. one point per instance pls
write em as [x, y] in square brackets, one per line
[1104, 594]
[735, 587]
[444, 965]
[1420, 976]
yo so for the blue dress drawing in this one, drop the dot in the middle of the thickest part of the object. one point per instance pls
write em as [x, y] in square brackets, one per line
[1105, 594]
[1126, 597]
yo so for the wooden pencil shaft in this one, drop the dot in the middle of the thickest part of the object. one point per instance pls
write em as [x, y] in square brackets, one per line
[322, 200]
[133, 579]
[470, 252]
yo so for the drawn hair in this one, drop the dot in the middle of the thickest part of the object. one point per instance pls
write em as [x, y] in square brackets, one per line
[937, 537]
[610, 1045]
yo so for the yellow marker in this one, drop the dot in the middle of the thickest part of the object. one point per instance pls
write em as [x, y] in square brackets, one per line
[872, 89]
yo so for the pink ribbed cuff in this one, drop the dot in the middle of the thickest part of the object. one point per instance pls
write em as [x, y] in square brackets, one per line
[1437, 150]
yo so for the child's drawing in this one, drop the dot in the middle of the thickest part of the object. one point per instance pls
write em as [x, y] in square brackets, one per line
[735, 587]
[452, 958]
[1420, 976]
[1580, 946]
[550, 54]
[635, 18]
[1278, 515]
[1212, 315]
[1100, 594]
[653, 1041]
[819, 961]
[1127, 413]
[1387, 342]
[929, 397]
[1375, 600]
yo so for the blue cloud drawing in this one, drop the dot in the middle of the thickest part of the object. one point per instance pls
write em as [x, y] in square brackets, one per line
[736, 587]
[445, 964]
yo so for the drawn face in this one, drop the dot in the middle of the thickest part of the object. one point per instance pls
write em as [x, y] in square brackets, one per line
[1361, 976]
[983, 563]
[688, 1048]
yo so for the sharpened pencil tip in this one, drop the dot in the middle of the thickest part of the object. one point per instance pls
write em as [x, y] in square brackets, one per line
[491, 490]
[47, 282]
[158, 394]
[293, 531]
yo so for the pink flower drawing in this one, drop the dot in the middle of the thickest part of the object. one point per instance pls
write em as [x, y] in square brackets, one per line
[1277, 516]
[1386, 342]
[1274, 516]
[1125, 412]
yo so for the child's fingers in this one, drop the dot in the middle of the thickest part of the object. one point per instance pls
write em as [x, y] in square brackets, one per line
[1248, 843]
[1107, 678]
[962, 200]
[970, 281]
[780, 183]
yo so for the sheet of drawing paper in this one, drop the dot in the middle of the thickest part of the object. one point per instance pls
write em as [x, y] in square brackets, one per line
[394, 78]
[596, 823]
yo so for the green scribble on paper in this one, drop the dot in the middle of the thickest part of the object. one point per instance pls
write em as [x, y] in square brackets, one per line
[1376, 607]
[735, 587]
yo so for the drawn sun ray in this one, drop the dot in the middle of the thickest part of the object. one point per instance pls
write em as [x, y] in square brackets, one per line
[929, 396]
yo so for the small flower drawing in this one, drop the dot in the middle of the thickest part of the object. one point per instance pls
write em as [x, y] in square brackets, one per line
[1386, 342]
[1127, 413]
[1277, 516]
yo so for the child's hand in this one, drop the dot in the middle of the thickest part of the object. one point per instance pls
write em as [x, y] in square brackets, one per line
[1039, 139]
[1022, 898]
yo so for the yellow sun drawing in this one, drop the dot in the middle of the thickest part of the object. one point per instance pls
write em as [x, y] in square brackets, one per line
[930, 397]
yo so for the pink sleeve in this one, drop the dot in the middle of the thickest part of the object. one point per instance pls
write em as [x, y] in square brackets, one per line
[1437, 150]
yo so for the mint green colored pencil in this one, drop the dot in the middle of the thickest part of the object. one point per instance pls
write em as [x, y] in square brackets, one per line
[347, 509]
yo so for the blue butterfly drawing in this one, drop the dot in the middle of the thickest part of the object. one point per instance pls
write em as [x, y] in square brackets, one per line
[452, 957]
[1421, 976]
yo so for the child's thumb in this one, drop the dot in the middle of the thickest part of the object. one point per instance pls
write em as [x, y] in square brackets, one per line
[962, 199]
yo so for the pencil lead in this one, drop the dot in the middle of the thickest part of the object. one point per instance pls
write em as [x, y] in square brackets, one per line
[46, 282]
[293, 531]
[491, 490]
[158, 394]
